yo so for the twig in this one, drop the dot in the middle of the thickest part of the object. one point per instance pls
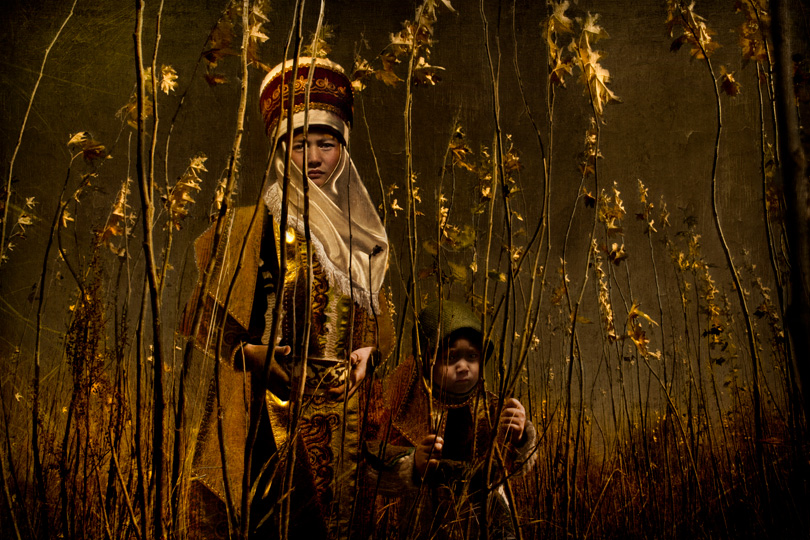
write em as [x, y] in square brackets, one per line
[3, 240]
[146, 184]
[752, 341]
[127, 499]
[39, 477]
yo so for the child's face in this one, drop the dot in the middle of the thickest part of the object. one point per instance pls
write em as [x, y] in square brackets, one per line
[457, 366]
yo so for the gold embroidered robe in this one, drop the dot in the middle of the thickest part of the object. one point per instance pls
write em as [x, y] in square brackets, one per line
[328, 441]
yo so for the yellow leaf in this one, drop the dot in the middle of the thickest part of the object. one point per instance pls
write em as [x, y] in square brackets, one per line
[617, 254]
[388, 77]
[426, 74]
[559, 68]
[198, 163]
[66, 217]
[635, 313]
[168, 79]
[25, 219]
[558, 21]
[592, 29]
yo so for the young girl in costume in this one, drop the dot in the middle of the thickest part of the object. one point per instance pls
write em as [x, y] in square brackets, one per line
[429, 443]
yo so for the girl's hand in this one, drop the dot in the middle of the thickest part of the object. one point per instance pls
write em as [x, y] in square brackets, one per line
[358, 361]
[512, 422]
[427, 454]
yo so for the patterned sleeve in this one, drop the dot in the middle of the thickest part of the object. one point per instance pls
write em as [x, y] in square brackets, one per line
[522, 458]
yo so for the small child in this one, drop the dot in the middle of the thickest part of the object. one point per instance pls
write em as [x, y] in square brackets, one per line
[430, 431]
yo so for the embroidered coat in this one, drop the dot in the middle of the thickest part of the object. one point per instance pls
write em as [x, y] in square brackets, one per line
[328, 442]
[451, 503]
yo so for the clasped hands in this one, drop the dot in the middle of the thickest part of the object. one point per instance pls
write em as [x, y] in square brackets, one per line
[511, 426]
[255, 357]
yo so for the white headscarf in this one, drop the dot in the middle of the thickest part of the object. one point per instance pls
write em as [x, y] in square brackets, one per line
[346, 229]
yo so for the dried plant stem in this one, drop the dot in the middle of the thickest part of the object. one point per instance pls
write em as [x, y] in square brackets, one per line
[543, 229]
[769, 67]
[384, 206]
[777, 273]
[140, 443]
[206, 281]
[411, 211]
[598, 501]
[39, 477]
[752, 342]
[300, 377]
[60, 213]
[3, 240]
[127, 499]
[146, 185]
[499, 173]
[170, 228]
[275, 324]
[542, 223]
[64, 458]
[102, 510]
[7, 500]
[207, 278]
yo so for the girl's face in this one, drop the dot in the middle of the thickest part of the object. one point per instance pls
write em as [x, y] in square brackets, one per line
[322, 152]
[457, 366]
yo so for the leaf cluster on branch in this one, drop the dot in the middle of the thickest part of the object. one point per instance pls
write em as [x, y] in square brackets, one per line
[411, 43]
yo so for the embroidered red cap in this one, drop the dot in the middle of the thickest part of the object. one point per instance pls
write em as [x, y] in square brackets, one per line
[331, 91]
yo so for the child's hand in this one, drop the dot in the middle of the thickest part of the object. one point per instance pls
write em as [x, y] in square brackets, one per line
[427, 454]
[512, 421]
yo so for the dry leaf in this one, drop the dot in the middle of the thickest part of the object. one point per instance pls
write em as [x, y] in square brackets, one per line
[361, 71]
[559, 21]
[426, 74]
[91, 149]
[168, 79]
[728, 84]
[179, 197]
[590, 200]
[559, 68]
[617, 254]
[66, 218]
[592, 29]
